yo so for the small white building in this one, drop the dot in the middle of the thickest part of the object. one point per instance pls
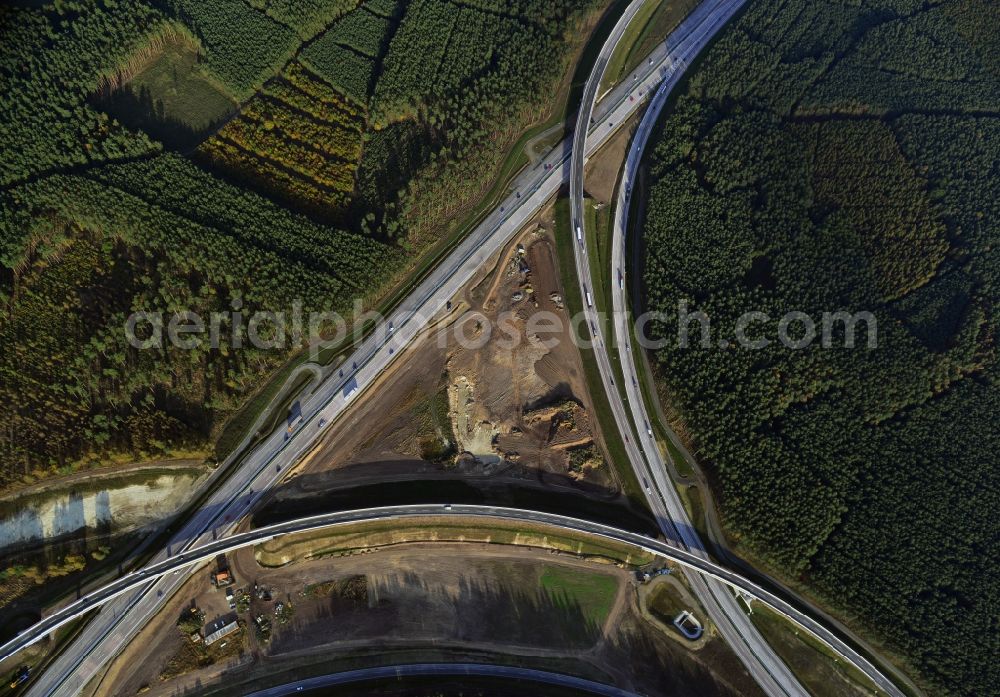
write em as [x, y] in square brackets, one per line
[221, 630]
[688, 626]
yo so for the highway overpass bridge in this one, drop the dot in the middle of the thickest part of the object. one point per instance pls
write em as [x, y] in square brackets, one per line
[189, 559]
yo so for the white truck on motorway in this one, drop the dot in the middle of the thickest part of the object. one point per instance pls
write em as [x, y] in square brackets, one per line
[350, 387]
[579, 234]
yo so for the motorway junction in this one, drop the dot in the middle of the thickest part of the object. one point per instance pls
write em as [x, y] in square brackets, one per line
[212, 531]
[188, 560]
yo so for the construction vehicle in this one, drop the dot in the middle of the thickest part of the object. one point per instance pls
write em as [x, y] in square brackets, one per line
[20, 676]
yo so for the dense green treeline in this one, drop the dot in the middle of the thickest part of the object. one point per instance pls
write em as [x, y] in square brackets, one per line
[246, 45]
[479, 77]
[347, 54]
[84, 245]
[467, 93]
[50, 63]
[155, 235]
[172, 183]
[468, 77]
[307, 17]
[833, 157]
[363, 32]
[348, 71]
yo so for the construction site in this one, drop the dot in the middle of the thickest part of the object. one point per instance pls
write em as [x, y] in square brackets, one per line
[493, 396]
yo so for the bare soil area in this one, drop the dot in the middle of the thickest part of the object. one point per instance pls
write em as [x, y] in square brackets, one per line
[521, 397]
[510, 408]
[604, 169]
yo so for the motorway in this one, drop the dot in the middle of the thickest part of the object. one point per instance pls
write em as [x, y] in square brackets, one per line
[767, 668]
[623, 335]
[419, 670]
[124, 616]
[172, 567]
[104, 636]
[663, 496]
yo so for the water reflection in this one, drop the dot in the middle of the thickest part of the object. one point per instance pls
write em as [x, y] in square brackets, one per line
[25, 522]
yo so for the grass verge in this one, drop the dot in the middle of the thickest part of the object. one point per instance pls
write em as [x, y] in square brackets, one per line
[821, 672]
[666, 603]
[61, 638]
[691, 498]
[355, 539]
[240, 423]
[598, 230]
[280, 412]
[594, 593]
[574, 304]
[618, 63]
[661, 18]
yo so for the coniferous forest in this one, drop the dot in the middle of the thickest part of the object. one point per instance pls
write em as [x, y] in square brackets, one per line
[830, 156]
[198, 155]
[822, 156]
